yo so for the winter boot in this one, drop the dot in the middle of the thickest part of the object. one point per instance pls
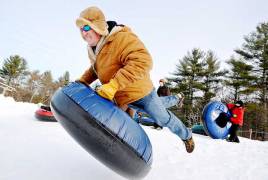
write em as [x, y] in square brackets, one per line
[236, 140]
[189, 145]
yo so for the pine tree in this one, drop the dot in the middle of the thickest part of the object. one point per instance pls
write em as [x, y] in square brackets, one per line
[188, 74]
[255, 51]
[239, 79]
[212, 76]
[187, 77]
[13, 68]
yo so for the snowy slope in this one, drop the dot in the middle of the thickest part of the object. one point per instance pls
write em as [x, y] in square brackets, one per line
[35, 150]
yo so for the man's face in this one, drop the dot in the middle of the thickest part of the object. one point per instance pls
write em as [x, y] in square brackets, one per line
[161, 83]
[90, 36]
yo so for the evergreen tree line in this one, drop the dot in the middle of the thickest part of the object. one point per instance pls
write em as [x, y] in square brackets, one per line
[30, 86]
[201, 78]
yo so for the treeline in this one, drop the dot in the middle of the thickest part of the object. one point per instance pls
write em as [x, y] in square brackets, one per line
[30, 86]
[201, 77]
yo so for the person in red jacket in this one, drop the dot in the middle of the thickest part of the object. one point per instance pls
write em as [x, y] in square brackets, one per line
[237, 116]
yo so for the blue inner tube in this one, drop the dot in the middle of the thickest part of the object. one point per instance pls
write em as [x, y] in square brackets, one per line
[210, 117]
[103, 129]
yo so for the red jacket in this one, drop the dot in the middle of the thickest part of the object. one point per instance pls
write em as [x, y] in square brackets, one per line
[237, 114]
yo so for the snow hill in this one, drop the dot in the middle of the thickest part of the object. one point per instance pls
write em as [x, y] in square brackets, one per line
[35, 150]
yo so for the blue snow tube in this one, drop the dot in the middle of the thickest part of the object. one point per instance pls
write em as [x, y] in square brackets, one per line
[103, 129]
[211, 114]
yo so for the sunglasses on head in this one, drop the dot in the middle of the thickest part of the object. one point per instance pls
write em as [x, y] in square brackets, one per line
[86, 28]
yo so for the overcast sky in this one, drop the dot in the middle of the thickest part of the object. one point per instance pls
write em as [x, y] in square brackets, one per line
[44, 32]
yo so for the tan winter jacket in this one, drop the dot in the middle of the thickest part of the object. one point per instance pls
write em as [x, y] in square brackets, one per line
[121, 56]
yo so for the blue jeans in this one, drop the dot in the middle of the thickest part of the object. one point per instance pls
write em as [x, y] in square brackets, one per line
[167, 101]
[155, 107]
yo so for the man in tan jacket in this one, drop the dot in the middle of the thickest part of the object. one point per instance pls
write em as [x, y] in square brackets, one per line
[122, 63]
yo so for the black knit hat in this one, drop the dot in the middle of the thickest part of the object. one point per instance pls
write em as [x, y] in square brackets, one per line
[239, 103]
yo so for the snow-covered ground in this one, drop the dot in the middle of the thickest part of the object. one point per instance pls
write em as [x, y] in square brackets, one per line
[35, 150]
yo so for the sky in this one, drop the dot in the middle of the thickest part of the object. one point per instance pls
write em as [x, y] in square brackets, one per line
[44, 32]
[32, 149]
